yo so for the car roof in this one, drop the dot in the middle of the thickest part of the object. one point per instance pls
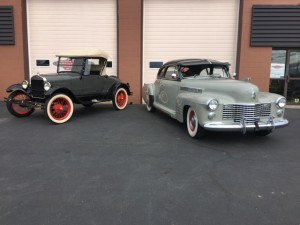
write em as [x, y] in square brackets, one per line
[193, 62]
[97, 53]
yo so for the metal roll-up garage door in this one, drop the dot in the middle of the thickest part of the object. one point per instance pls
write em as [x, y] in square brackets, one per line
[55, 26]
[189, 29]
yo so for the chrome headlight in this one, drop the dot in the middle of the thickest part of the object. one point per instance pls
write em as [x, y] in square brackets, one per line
[25, 84]
[47, 86]
[213, 104]
[281, 102]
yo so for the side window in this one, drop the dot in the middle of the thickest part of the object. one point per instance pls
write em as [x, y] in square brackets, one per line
[161, 73]
[219, 71]
[205, 72]
[92, 67]
[169, 72]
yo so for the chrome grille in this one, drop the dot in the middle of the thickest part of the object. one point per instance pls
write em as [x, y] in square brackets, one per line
[37, 87]
[250, 112]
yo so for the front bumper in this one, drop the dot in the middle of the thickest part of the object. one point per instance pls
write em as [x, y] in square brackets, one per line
[243, 126]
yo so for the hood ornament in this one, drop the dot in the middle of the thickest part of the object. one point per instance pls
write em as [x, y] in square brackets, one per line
[253, 95]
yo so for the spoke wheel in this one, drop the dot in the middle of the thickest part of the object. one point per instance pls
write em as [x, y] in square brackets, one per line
[59, 108]
[192, 123]
[120, 99]
[16, 104]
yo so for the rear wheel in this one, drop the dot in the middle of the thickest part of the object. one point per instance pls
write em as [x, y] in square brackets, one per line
[18, 104]
[149, 105]
[59, 108]
[120, 99]
[192, 123]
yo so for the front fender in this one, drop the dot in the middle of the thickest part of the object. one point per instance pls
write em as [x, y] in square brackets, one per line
[195, 100]
[54, 90]
[15, 87]
[66, 91]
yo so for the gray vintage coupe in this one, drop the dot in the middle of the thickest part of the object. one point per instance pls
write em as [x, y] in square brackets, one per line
[202, 94]
[80, 78]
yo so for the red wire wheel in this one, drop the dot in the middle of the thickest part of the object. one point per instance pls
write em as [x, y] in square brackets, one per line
[18, 104]
[59, 108]
[120, 99]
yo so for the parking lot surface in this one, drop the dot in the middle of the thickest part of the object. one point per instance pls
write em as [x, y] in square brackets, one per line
[133, 167]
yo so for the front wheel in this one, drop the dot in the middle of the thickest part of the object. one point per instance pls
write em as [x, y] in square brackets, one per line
[59, 108]
[120, 99]
[192, 123]
[18, 104]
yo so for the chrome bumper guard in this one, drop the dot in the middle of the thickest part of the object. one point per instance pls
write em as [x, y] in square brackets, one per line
[243, 126]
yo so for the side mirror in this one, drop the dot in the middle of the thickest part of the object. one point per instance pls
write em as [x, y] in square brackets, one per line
[247, 79]
[174, 76]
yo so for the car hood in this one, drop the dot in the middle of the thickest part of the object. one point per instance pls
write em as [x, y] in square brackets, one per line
[61, 76]
[55, 77]
[239, 91]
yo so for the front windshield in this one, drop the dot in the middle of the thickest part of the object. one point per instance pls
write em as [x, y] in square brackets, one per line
[212, 71]
[73, 65]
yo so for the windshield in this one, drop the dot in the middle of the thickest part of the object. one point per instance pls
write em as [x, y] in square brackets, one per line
[213, 71]
[73, 65]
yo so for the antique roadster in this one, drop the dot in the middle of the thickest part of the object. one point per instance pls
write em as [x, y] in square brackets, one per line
[80, 79]
[202, 94]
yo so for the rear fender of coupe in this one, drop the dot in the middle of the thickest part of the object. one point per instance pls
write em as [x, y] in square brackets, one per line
[147, 91]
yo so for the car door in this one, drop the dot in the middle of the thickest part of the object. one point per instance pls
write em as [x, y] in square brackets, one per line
[168, 89]
[93, 82]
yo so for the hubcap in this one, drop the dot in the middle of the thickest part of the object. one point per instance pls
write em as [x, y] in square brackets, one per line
[192, 120]
[121, 98]
[60, 108]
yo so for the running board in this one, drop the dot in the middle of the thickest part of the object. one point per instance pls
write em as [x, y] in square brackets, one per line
[163, 108]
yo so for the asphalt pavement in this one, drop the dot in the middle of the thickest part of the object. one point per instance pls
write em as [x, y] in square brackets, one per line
[132, 167]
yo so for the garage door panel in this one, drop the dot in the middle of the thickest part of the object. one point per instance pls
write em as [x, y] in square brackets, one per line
[192, 28]
[57, 26]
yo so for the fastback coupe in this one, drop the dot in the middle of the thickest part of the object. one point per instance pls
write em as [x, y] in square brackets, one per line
[202, 94]
[80, 78]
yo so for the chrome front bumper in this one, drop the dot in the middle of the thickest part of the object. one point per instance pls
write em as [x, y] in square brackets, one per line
[243, 126]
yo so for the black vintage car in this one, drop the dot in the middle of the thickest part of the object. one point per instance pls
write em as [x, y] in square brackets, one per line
[80, 79]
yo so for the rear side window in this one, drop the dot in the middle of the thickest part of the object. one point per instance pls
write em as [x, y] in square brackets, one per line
[169, 72]
[161, 73]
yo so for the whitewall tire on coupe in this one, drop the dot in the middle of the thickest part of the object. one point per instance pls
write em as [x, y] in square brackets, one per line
[192, 123]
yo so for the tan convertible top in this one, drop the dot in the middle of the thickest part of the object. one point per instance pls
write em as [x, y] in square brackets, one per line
[84, 53]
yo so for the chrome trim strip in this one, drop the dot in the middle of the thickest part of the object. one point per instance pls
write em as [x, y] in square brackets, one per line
[189, 89]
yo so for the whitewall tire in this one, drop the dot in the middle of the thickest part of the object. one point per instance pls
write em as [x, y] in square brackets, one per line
[59, 108]
[120, 99]
[192, 123]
